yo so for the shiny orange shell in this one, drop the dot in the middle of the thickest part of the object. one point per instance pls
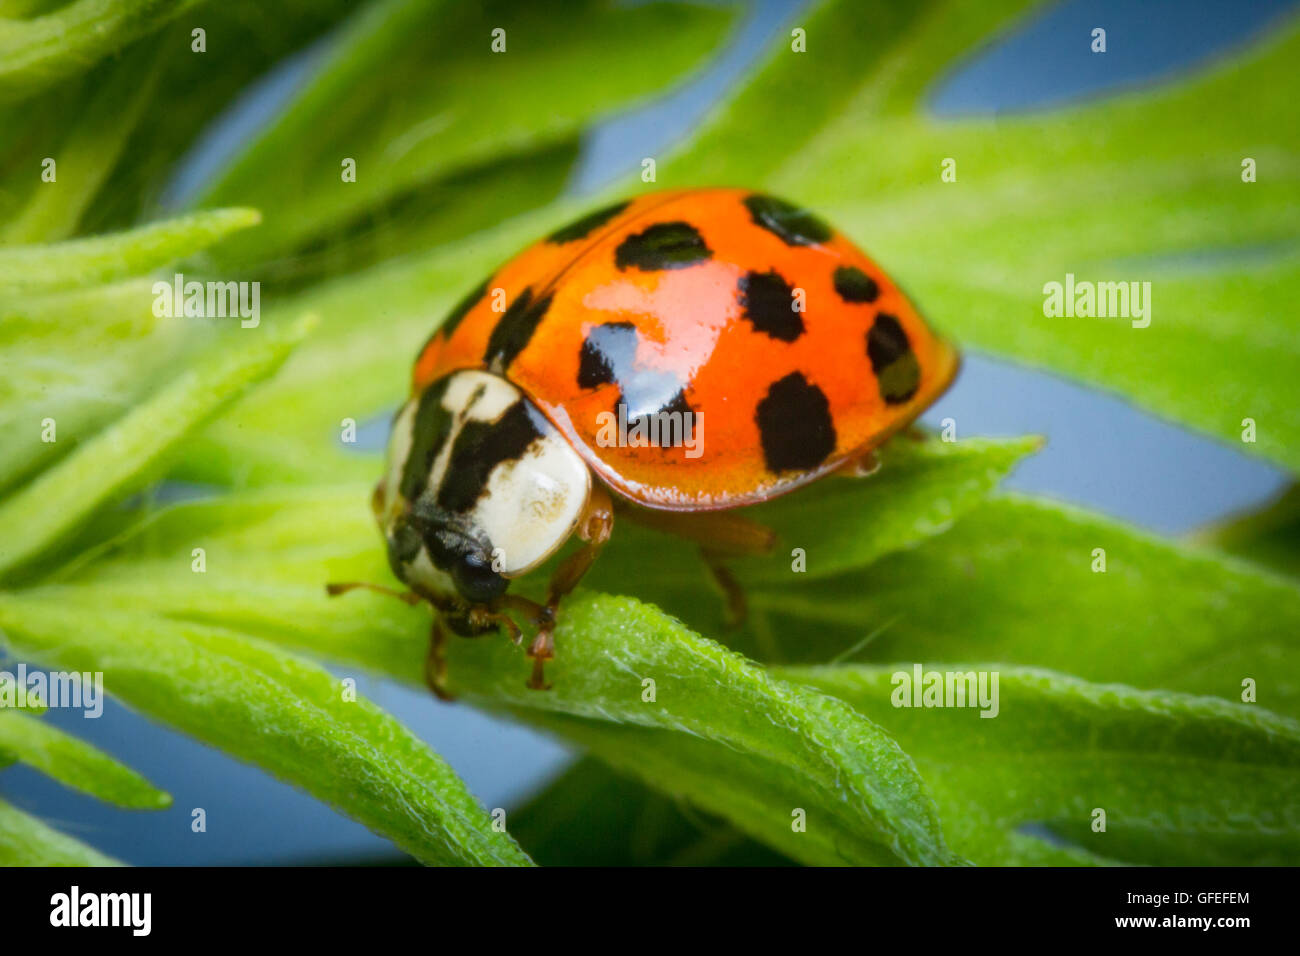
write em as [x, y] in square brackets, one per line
[796, 352]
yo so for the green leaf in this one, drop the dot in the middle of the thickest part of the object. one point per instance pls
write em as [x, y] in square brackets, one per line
[122, 457]
[84, 155]
[38, 52]
[76, 358]
[249, 37]
[1014, 582]
[732, 785]
[375, 100]
[1180, 778]
[846, 129]
[1011, 581]
[83, 262]
[590, 816]
[286, 715]
[290, 433]
[75, 763]
[793, 740]
[843, 766]
[79, 358]
[26, 841]
[1270, 536]
[326, 533]
[839, 524]
[424, 218]
[922, 487]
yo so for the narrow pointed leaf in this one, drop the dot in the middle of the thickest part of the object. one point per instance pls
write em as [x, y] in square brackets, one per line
[75, 763]
[83, 262]
[120, 458]
[26, 841]
[1178, 777]
[264, 706]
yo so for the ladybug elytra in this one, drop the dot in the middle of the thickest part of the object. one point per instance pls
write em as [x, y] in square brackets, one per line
[675, 357]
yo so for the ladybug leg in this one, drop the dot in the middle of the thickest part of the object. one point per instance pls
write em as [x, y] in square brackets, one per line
[594, 528]
[335, 588]
[476, 619]
[732, 592]
[541, 650]
[484, 617]
[863, 466]
[721, 535]
[725, 534]
[435, 663]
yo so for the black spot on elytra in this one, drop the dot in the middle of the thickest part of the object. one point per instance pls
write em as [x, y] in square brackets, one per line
[429, 431]
[768, 302]
[794, 425]
[665, 245]
[581, 228]
[479, 448]
[794, 226]
[854, 285]
[893, 360]
[606, 348]
[678, 432]
[512, 334]
[609, 356]
[677, 405]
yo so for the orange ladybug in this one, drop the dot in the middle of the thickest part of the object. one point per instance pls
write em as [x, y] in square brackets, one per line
[674, 357]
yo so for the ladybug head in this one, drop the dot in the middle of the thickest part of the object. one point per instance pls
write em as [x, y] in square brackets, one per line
[479, 488]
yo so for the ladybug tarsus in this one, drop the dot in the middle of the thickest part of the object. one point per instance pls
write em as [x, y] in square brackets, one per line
[541, 650]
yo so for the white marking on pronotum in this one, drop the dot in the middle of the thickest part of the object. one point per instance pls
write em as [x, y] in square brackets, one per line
[529, 506]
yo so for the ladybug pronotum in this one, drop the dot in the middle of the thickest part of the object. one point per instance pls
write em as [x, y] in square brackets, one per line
[769, 347]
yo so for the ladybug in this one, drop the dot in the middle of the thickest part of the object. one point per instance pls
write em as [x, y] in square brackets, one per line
[674, 357]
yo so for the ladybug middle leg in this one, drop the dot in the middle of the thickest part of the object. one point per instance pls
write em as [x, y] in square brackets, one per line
[737, 608]
[594, 528]
[720, 535]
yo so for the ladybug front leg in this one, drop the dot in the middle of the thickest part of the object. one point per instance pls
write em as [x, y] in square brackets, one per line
[435, 662]
[594, 528]
[335, 588]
